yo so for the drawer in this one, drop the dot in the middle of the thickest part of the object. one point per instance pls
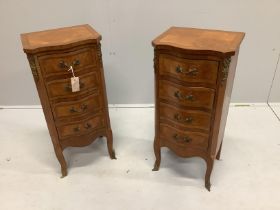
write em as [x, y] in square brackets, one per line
[200, 71]
[84, 106]
[60, 63]
[80, 128]
[187, 118]
[62, 87]
[189, 96]
[187, 139]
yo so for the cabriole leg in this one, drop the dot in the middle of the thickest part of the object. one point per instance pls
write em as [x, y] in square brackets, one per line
[210, 163]
[61, 159]
[110, 144]
[157, 154]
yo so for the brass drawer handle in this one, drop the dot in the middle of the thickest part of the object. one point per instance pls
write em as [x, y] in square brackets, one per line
[189, 97]
[192, 71]
[73, 110]
[88, 126]
[178, 95]
[76, 62]
[179, 69]
[62, 64]
[83, 108]
[82, 85]
[186, 120]
[76, 129]
[186, 139]
[68, 88]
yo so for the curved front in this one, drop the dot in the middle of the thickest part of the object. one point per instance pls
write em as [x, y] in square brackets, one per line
[83, 140]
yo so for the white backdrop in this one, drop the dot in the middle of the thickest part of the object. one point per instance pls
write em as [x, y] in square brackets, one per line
[127, 28]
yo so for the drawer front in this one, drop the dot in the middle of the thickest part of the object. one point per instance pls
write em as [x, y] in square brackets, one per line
[80, 128]
[84, 106]
[187, 118]
[188, 96]
[201, 71]
[62, 88]
[185, 139]
[60, 63]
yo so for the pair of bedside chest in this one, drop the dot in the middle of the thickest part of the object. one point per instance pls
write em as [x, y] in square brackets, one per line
[194, 72]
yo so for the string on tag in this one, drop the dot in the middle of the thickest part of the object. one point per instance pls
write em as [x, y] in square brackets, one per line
[72, 70]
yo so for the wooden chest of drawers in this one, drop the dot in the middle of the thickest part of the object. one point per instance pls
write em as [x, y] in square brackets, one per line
[194, 72]
[74, 118]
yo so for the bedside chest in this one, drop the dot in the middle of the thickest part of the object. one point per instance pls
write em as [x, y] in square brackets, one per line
[194, 73]
[66, 64]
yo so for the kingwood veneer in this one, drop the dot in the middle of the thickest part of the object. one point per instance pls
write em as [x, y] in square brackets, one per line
[194, 72]
[74, 119]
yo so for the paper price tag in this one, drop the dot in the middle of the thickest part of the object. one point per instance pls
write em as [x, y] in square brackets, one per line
[75, 83]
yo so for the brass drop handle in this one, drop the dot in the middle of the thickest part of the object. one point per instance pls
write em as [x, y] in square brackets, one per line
[192, 71]
[178, 95]
[76, 129]
[187, 119]
[186, 139]
[68, 88]
[76, 62]
[73, 110]
[177, 117]
[84, 107]
[189, 97]
[179, 69]
[87, 126]
[62, 64]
